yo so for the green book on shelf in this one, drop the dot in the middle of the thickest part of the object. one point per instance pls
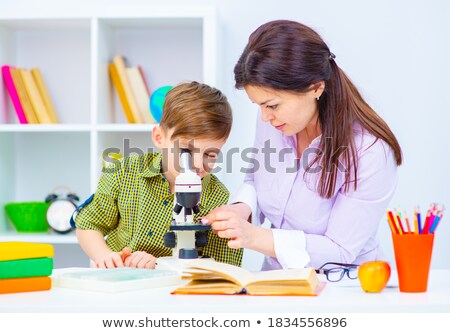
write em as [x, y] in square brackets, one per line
[11, 269]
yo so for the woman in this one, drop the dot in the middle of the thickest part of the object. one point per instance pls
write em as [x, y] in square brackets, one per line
[332, 169]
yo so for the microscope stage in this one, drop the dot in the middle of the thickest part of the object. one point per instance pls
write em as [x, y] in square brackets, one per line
[190, 227]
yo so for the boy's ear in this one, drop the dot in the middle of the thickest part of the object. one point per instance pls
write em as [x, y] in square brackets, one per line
[158, 136]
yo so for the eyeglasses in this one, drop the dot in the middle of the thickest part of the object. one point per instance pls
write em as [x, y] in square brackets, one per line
[335, 271]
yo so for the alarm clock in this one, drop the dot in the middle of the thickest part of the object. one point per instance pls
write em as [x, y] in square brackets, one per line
[60, 211]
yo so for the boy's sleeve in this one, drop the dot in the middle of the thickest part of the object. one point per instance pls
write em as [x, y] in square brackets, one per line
[102, 213]
[217, 248]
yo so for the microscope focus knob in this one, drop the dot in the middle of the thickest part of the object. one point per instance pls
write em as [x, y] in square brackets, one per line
[170, 239]
[196, 209]
[201, 238]
[177, 208]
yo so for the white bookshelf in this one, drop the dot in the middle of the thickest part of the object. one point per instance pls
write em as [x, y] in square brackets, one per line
[53, 238]
[72, 49]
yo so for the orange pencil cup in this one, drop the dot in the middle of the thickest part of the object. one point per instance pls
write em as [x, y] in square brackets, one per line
[413, 258]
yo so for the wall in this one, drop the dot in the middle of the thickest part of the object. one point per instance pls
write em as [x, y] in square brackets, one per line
[396, 52]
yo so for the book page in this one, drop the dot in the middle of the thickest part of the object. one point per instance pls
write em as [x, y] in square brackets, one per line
[235, 274]
[209, 287]
[199, 274]
[283, 275]
[284, 282]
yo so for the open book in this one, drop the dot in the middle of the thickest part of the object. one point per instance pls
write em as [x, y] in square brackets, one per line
[210, 277]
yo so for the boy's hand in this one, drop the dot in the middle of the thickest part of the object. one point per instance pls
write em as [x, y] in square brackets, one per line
[140, 259]
[113, 259]
[229, 224]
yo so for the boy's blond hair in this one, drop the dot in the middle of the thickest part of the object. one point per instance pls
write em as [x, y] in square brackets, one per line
[196, 110]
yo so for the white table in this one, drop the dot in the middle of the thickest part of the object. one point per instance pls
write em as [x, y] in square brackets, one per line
[340, 297]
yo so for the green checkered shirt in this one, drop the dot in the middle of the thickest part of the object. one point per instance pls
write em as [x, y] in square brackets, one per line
[133, 207]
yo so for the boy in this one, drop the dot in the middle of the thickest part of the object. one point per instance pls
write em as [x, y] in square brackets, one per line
[134, 200]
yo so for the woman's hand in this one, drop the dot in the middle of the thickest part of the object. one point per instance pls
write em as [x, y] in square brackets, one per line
[140, 259]
[113, 259]
[242, 209]
[228, 223]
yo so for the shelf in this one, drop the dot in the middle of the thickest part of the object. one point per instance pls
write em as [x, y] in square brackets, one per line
[73, 48]
[125, 127]
[21, 24]
[51, 238]
[49, 128]
[45, 128]
[54, 46]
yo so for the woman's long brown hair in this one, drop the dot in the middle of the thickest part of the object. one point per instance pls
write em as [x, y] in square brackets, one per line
[289, 56]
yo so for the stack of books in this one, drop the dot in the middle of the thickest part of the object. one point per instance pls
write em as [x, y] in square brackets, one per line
[29, 95]
[133, 91]
[25, 267]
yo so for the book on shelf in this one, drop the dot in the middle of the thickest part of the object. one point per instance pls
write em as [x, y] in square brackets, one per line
[39, 80]
[141, 70]
[140, 92]
[121, 92]
[35, 97]
[13, 93]
[23, 96]
[120, 79]
[210, 277]
[29, 95]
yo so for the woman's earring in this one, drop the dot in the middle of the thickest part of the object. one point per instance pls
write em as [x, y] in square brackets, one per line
[317, 97]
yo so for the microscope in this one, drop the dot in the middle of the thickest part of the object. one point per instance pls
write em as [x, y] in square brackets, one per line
[185, 235]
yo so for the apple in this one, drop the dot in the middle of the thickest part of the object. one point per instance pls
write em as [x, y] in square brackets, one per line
[374, 275]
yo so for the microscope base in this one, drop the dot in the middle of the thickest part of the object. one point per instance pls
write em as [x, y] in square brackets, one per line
[174, 263]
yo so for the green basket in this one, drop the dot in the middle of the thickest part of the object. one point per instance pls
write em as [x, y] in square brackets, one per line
[28, 216]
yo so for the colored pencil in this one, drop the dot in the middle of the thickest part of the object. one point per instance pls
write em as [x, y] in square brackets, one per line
[419, 223]
[393, 222]
[408, 226]
[429, 219]
[435, 224]
[416, 223]
[433, 218]
[399, 220]
[438, 218]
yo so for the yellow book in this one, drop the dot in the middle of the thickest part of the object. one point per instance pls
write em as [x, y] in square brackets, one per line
[24, 250]
[210, 277]
[35, 97]
[119, 61]
[39, 80]
[121, 93]
[23, 96]
[140, 92]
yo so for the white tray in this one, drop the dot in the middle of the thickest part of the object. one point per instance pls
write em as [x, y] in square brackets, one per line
[115, 280]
